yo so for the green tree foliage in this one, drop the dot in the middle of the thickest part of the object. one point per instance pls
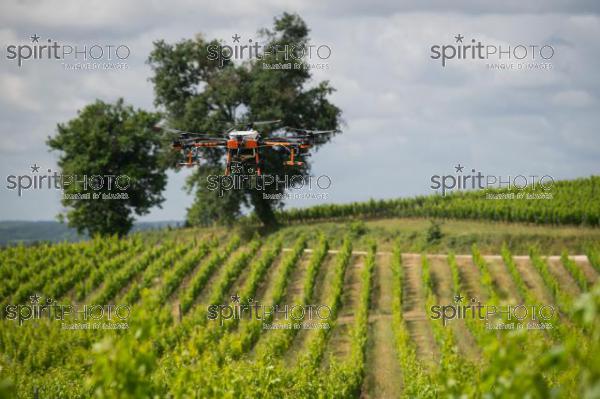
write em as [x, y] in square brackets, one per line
[110, 140]
[202, 94]
[208, 207]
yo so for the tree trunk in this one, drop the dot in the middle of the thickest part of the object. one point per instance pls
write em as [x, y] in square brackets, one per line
[263, 208]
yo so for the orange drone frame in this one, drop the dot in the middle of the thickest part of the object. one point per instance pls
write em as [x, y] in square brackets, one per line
[243, 145]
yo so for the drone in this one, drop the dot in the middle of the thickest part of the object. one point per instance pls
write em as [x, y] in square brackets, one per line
[243, 143]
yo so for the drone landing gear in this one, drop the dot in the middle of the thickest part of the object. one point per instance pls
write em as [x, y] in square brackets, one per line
[257, 161]
[292, 161]
[228, 163]
[190, 161]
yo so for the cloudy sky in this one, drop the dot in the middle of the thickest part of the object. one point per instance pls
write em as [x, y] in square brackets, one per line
[406, 117]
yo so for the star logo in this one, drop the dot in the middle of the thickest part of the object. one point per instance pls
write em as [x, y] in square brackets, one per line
[459, 168]
[459, 38]
[236, 38]
[34, 298]
[35, 38]
[35, 168]
[236, 167]
[235, 298]
[458, 298]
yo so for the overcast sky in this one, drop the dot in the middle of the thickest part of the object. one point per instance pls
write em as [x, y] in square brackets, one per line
[406, 117]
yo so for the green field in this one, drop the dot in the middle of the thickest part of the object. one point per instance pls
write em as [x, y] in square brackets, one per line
[378, 278]
[568, 202]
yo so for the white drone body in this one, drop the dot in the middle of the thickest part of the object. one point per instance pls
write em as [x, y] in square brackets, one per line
[244, 134]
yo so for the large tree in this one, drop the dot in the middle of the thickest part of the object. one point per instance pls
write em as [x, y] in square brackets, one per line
[110, 140]
[198, 93]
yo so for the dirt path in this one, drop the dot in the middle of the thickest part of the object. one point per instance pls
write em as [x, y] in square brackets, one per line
[340, 339]
[588, 270]
[175, 298]
[441, 274]
[470, 278]
[320, 297]
[268, 279]
[216, 274]
[486, 257]
[383, 375]
[533, 280]
[292, 294]
[296, 284]
[567, 284]
[414, 310]
[502, 280]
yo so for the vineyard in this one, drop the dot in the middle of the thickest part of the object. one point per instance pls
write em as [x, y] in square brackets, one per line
[572, 202]
[378, 338]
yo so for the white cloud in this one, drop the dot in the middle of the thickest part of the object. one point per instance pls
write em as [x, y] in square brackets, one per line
[407, 117]
[15, 92]
[573, 98]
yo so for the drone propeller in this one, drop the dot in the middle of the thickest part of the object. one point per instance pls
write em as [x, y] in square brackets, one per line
[258, 123]
[185, 137]
[251, 124]
[291, 133]
[323, 131]
[311, 132]
[183, 132]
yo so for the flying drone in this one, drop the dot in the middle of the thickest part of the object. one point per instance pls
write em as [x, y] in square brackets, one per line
[243, 144]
